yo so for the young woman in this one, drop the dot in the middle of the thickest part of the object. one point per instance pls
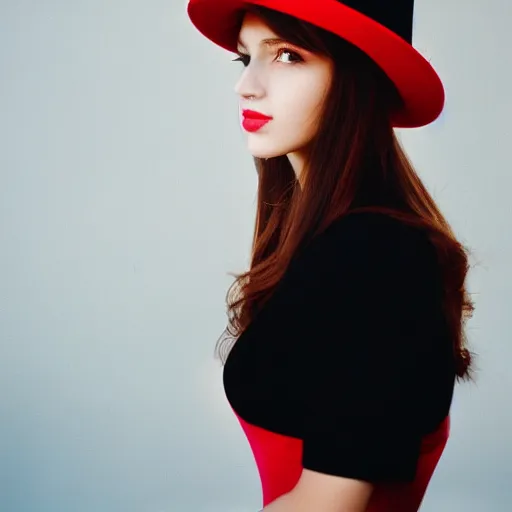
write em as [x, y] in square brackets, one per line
[349, 324]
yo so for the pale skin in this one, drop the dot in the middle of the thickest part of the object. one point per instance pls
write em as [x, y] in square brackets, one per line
[283, 81]
[320, 492]
[292, 92]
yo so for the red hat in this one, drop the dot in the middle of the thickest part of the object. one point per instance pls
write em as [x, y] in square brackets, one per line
[383, 30]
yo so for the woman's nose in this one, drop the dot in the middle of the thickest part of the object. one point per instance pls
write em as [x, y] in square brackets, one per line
[249, 85]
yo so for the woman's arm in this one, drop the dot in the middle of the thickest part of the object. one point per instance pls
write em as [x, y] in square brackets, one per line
[319, 492]
[360, 296]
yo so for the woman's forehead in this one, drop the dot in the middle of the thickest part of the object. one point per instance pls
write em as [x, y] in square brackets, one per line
[253, 30]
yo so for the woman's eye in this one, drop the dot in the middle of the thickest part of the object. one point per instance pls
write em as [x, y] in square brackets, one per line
[292, 57]
[244, 59]
[295, 56]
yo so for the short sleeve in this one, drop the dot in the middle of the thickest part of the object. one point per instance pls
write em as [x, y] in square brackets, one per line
[363, 290]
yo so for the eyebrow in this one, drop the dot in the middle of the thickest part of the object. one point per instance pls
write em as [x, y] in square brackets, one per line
[271, 41]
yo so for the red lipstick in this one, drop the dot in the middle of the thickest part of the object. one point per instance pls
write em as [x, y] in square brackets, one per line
[253, 120]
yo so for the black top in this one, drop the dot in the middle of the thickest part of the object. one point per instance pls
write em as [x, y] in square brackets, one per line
[351, 353]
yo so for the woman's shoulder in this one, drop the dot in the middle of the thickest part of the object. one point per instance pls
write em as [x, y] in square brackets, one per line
[370, 225]
[364, 236]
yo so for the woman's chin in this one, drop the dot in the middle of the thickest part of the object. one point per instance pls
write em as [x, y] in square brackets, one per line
[265, 152]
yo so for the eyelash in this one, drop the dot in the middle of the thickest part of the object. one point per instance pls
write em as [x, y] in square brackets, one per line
[245, 59]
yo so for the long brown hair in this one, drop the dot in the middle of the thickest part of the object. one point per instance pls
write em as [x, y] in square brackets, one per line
[355, 163]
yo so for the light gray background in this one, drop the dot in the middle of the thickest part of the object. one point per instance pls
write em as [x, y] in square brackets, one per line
[127, 195]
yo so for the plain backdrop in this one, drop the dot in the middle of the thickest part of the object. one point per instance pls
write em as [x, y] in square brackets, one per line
[127, 195]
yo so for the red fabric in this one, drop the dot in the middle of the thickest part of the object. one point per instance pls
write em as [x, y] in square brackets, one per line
[278, 459]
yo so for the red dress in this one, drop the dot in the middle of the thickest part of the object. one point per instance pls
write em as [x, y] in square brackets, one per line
[348, 368]
[278, 459]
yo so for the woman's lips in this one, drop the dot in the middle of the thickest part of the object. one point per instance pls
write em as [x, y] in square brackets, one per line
[253, 125]
[253, 120]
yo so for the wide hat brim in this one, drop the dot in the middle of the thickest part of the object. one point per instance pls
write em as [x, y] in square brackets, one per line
[416, 80]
